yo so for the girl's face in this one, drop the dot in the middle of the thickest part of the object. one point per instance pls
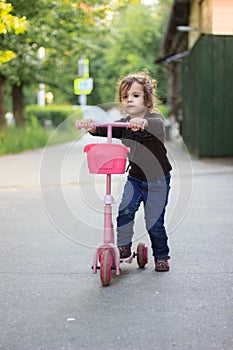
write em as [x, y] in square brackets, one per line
[133, 101]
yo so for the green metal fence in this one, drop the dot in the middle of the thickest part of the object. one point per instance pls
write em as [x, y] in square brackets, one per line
[207, 95]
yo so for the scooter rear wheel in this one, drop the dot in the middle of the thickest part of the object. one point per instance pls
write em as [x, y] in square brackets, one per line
[106, 267]
[142, 255]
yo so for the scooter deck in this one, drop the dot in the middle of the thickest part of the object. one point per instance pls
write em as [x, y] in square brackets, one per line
[129, 259]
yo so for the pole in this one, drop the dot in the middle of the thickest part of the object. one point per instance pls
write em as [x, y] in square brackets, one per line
[83, 72]
[41, 93]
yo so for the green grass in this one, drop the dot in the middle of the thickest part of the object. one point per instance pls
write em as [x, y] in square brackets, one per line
[15, 139]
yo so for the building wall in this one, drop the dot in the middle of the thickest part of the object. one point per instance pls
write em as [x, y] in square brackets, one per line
[207, 97]
[222, 21]
[210, 17]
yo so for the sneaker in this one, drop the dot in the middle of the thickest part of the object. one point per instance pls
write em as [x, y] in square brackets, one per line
[162, 265]
[125, 252]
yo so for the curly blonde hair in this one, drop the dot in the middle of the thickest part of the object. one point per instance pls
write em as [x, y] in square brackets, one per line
[148, 84]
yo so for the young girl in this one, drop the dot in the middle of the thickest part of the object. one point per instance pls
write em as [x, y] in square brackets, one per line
[149, 168]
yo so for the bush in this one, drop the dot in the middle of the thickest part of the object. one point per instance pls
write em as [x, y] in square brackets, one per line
[17, 139]
[14, 140]
[54, 113]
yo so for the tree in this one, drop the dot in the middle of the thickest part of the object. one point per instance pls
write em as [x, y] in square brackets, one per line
[75, 31]
[68, 29]
[25, 67]
[8, 24]
[132, 44]
[118, 37]
[62, 28]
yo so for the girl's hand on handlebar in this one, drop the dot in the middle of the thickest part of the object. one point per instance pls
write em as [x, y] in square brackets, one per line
[138, 124]
[87, 124]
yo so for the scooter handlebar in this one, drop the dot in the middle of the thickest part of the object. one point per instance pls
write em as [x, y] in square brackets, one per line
[112, 124]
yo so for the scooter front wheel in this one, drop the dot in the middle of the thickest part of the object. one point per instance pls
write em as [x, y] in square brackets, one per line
[142, 255]
[106, 267]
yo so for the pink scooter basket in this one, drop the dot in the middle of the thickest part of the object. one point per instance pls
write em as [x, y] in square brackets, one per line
[106, 158]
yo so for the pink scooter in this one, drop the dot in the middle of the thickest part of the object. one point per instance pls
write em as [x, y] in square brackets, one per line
[110, 158]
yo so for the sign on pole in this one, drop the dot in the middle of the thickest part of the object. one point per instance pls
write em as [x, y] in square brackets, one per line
[83, 86]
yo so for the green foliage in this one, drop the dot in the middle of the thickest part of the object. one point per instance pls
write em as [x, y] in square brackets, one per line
[9, 24]
[131, 45]
[14, 140]
[54, 113]
[163, 109]
[17, 139]
[62, 28]
[118, 37]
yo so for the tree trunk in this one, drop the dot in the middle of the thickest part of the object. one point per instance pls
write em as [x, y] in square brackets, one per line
[2, 100]
[17, 96]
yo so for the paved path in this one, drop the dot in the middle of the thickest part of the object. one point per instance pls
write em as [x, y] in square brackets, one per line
[50, 222]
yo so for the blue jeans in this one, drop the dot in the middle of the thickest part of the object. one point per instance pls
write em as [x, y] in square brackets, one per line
[154, 195]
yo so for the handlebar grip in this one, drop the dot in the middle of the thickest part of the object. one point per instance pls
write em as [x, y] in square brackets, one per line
[113, 124]
[78, 126]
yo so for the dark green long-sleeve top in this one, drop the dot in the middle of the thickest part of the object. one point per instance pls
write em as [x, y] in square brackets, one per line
[148, 156]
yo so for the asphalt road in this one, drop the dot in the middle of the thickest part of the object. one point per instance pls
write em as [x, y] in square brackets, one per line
[51, 218]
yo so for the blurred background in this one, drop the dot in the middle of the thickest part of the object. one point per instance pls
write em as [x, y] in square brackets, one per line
[59, 56]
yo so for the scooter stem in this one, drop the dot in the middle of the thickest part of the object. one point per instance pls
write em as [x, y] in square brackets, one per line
[109, 134]
[108, 226]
